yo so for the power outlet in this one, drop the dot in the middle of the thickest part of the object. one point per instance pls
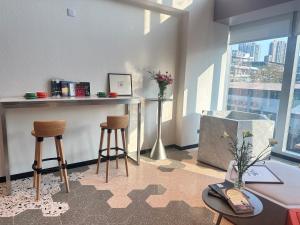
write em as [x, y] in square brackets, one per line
[71, 12]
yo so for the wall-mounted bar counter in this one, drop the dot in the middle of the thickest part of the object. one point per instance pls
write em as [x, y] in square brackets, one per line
[19, 103]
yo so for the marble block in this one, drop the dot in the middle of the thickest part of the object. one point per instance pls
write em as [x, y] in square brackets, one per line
[214, 148]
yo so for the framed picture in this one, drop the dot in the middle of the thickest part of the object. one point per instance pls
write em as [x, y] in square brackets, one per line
[120, 83]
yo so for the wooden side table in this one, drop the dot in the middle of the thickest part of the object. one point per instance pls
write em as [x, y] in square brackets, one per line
[224, 209]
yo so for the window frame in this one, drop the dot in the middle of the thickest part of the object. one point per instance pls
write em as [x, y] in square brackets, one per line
[286, 97]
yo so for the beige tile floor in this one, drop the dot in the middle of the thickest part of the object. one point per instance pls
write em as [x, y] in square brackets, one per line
[182, 177]
[164, 192]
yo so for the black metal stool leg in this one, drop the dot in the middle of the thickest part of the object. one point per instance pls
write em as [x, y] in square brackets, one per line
[219, 219]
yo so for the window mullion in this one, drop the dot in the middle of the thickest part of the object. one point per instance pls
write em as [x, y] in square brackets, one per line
[286, 96]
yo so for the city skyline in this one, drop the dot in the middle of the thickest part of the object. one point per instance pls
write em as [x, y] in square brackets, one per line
[256, 82]
[264, 46]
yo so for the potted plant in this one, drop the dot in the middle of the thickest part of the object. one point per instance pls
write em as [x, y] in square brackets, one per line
[242, 154]
[163, 80]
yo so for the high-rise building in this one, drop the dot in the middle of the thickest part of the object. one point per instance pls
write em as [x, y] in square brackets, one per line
[298, 72]
[241, 66]
[277, 51]
[251, 48]
[256, 52]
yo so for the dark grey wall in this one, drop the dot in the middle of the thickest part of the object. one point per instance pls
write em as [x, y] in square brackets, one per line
[225, 9]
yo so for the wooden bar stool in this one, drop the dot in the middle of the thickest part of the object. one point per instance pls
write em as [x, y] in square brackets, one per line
[113, 123]
[47, 129]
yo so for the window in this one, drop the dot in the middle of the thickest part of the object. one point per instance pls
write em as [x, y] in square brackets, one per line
[265, 76]
[293, 139]
[256, 72]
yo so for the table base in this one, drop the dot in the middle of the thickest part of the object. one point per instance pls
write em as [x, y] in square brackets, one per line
[220, 217]
[158, 151]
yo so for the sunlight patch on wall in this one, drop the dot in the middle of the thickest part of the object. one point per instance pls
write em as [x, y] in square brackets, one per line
[137, 86]
[185, 96]
[147, 22]
[137, 78]
[182, 4]
[167, 114]
[133, 129]
[132, 134]
[164, 17]
[204, 89]
[222, 99]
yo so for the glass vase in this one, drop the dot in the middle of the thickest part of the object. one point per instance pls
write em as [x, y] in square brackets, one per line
[239, 184]
[161, 93]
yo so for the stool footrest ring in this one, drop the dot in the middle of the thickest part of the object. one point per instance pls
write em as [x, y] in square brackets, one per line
[39, 170]
[115, 148]
[54, 158]
[34, 167]
[105, 156]
[64, 165]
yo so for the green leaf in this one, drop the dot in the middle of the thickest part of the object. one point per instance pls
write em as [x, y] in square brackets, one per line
[247, 134]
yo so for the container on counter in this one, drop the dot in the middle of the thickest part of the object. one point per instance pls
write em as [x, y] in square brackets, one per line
[42, 94]
[113, 94]
[30, 95]
[101, 94]
[55, 88]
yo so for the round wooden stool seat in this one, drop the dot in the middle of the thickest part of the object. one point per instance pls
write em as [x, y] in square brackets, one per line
[46, 129]
[113, 123]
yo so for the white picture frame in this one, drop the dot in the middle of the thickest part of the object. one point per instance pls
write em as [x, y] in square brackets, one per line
[120, 84]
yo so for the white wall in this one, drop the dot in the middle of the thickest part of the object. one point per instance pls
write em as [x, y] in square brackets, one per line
[39, 42]
[202, 81]
[205, 68]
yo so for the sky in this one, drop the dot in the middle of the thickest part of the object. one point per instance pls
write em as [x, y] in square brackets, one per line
[264, 47]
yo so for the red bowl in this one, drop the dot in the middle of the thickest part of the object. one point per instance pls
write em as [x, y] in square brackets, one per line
[41, 94]
[113, 94]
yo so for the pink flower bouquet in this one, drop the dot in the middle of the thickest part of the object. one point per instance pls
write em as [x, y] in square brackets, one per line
[163, 80]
